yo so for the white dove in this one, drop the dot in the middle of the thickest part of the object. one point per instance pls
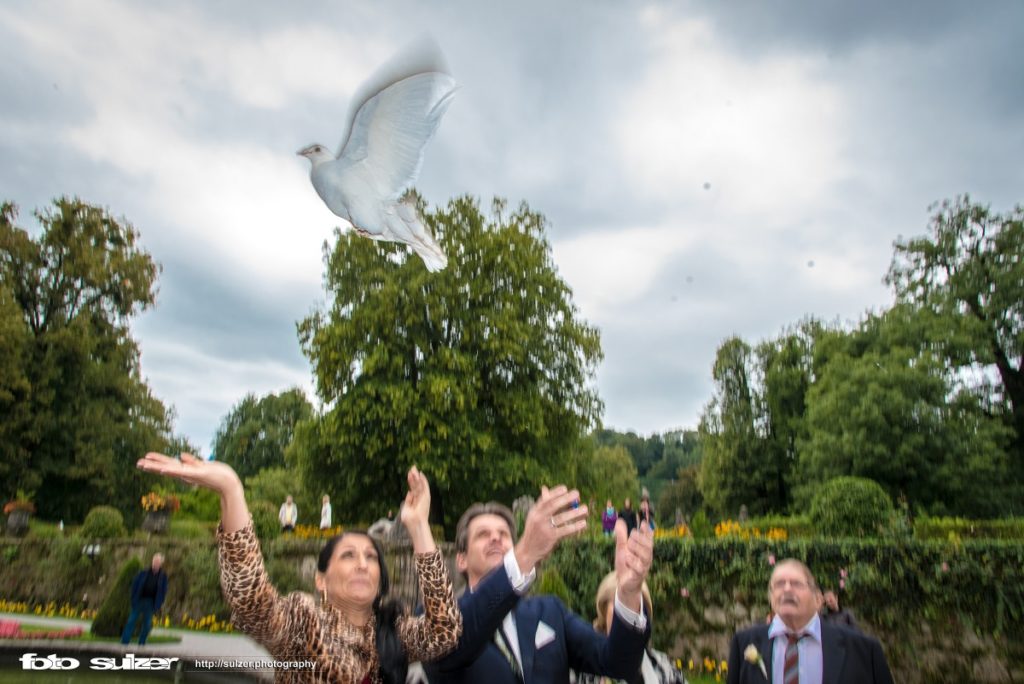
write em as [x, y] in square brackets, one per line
[393, 116]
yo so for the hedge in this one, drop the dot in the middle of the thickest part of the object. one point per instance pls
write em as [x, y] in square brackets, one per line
[914, 595]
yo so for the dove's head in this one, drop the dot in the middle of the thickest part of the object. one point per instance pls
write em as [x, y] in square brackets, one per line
[316, 154]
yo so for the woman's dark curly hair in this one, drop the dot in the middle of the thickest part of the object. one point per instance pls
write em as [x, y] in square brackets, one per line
[394, 665]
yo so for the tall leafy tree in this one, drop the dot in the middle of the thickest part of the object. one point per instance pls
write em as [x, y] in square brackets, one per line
[886, 410]
[606, 472]
[78, 413]
[968, 272]
[785, 365]
[749, 430]
[480, 374]
[258, 430]
[682, 493]
[731, 472]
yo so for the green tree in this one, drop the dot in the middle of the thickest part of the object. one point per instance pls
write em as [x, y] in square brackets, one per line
[79, 414]
[272, 485]
[606, 473]
[883, 410]
[480, 374]
[730, 475]
[15, 390]
[646, 452]
[682, 449]
[257, 431]
[683, 493]
[968, 272]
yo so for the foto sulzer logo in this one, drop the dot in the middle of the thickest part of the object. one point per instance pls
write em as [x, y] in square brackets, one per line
[31, 661]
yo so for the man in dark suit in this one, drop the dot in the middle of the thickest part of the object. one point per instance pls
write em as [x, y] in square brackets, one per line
[511, 639]
[147, 595]
[798, 644]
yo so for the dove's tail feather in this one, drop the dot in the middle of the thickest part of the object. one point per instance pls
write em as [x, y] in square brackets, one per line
[417, 236]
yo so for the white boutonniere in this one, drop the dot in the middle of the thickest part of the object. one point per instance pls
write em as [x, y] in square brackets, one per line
[753, 656]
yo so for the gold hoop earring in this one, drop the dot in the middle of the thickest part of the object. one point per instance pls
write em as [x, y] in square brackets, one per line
[323, 596]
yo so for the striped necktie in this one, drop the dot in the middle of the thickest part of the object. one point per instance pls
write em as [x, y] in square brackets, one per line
[502, 643]
[791, 670]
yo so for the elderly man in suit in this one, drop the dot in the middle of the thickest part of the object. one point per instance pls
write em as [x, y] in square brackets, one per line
[797, 647]
[511, 639]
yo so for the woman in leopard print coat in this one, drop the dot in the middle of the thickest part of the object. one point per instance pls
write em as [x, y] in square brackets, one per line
[352, 633]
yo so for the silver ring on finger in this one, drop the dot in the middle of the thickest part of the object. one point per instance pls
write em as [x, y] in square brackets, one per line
[553, 524]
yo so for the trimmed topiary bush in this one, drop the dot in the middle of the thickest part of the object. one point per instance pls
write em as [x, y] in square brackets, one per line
[103, 522]
[113, 614]
[851, 507]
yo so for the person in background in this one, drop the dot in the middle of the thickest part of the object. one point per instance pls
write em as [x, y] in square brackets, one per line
[833, 613]
[646, 513]
[628, 515]
[655, 668]
[147, 595]
[288, 515]
[325, 513]
[608, 519]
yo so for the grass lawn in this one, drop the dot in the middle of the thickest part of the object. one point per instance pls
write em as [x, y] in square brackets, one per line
[86, 636]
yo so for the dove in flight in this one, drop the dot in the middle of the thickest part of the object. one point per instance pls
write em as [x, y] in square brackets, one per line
[393, 116]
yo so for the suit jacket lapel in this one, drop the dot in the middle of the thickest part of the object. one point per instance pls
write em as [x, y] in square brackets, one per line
[767, 649]
[527, 616]
[833, 652]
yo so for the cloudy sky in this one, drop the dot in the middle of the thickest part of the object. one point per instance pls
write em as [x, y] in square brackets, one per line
[707, 168]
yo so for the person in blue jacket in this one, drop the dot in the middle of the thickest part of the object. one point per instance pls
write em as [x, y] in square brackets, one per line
[509, 638]
[147, 595]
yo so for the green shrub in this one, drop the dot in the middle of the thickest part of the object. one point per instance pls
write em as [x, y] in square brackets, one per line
[43, 530]
[851, 507]
[284, 575]
[113, 613]
[103, 522]
[200, 504]
[190, 529]
[264, 519]
[200, 567]
[701, 527]
[953, 529]
[551, 583]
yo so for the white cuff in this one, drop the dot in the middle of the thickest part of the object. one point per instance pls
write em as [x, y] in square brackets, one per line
[520, 582]
[637, 621]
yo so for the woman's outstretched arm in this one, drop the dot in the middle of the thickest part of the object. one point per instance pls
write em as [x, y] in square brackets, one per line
[214, 475]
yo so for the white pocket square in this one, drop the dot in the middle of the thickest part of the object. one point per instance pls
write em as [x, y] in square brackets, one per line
[544, 636]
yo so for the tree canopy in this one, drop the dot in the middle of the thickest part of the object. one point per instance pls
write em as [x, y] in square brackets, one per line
[924, 398]
[75, 412]
[968, 273]
[606, 472]
[479, 374]
[257, 431]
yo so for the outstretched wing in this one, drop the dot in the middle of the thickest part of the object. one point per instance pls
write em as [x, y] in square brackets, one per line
[390, 129]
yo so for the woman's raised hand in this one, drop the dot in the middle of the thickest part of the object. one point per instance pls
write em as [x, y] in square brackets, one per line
[220, 477]
[416, 509]
[416, 512]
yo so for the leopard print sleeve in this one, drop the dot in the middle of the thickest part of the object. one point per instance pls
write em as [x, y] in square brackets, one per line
[256, 607]
[436, 632]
